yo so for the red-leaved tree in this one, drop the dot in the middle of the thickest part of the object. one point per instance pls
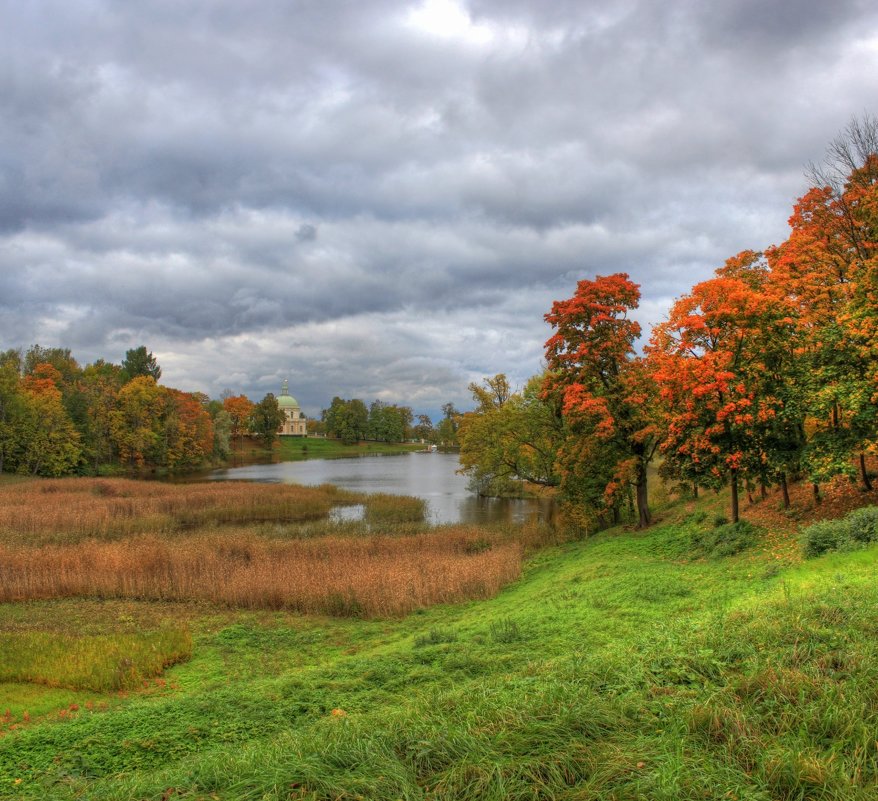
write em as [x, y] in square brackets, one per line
[606, 391]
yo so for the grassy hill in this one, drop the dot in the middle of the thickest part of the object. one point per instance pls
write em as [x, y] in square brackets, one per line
[632, 665]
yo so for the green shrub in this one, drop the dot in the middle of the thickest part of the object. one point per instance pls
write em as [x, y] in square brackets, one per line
[863, 524]
[856, 530]
[725, 540]
[826, 535]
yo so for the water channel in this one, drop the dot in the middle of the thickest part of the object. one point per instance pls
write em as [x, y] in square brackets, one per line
[431, 476]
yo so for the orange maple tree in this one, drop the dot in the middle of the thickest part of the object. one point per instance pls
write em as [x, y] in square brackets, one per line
[605, 390]
[712, 359]
[239, 407]
[826, 269]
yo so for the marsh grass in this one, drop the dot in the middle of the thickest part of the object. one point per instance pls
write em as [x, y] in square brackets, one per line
[369, 576]
[101, 663]
[383, 509]
[617, 668]
[257, 546]
[70, 510]
[717, 683]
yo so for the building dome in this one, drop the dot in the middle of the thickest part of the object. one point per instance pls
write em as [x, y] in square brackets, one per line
[285, 400]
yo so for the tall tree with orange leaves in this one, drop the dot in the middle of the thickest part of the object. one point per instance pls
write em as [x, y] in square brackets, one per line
[47, 443]
[239, 408]
[711, 359]
[605, 389]
[827, 269]
[188, 430]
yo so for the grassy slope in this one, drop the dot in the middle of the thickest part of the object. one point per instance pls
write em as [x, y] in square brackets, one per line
[615, 669]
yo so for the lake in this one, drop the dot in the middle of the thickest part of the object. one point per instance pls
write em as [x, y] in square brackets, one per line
[431, 476]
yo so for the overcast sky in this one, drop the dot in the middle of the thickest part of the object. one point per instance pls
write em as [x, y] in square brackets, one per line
[381, 199]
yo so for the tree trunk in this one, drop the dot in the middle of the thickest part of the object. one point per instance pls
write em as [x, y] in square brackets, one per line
[644, 518]
[815, 487]
[763, 491]
[864, 474]
[695, 490]
[733, 480]
[786, 490]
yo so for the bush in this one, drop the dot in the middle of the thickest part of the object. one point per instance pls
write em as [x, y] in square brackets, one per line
[725, 540]
[856, 530]
[826, 535]
[863, 524]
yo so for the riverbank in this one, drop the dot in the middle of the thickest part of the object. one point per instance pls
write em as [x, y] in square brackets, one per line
[629, 665]
[248, 450]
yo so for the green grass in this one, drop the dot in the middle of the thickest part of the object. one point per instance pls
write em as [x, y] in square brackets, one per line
[292, 449]
[102, 662]
[296, 449]
[616, 668]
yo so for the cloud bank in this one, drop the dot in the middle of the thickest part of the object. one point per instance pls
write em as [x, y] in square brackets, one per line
[382, 199]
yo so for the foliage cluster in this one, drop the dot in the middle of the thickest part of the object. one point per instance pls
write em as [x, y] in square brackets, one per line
[58, 418]
[351, 421]
[764, 374]
[726, 539]
[510, 438]
[857, 529]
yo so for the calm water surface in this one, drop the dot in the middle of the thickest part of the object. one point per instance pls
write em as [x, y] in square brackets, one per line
[431, 476]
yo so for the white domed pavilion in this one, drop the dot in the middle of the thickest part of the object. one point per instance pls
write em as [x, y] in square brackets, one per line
[294, 424]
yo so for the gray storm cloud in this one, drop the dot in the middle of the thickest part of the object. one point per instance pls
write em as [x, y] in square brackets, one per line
[382, 199]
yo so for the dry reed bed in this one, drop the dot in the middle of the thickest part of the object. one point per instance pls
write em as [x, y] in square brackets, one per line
[70, 510]
[370, 576]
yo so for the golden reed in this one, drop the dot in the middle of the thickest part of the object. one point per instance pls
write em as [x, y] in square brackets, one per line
[369, 576]
[68, 510]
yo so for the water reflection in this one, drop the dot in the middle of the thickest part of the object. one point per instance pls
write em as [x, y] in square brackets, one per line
[431, 476]
[347, 514]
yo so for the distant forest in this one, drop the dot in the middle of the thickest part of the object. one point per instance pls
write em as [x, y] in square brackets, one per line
[58, 418]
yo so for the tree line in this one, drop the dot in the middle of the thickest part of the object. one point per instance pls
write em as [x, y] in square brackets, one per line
[352, 421]
[58, 418]
[763, 374]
